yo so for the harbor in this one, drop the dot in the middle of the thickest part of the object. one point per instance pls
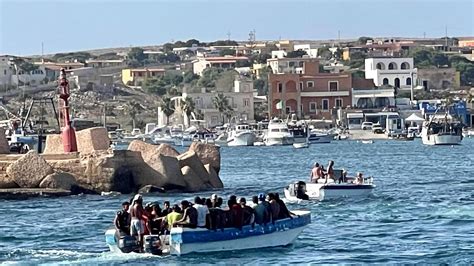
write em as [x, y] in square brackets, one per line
[413, 203]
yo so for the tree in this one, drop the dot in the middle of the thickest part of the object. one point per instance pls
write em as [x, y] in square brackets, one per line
[259, 85]
[188, 106]
[363, 40]
[167, 107]
[133, 109]
[191, 42]
[242, 63]
[189, 76]
[261, 58]
[209, 77]
[221, 103]
[225, 52]
[324, 53]
[136, 53]
[155, 86]
[295, 54]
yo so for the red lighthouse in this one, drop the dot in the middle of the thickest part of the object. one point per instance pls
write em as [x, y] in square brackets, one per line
[68, 135]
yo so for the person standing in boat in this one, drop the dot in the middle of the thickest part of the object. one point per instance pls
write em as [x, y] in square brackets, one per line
[330, 171]
[122, 220]
[359, 179]
[316, 173]
[138, 218]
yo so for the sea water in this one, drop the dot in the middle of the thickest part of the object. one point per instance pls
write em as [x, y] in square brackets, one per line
[422, 210]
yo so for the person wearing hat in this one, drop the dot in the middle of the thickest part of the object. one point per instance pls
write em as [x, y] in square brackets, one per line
[138, 218]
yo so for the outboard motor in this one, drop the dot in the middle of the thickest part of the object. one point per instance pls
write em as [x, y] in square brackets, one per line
[153, 244]
[128, 244]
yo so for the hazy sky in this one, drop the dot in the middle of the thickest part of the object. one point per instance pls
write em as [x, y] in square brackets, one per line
[85, 24]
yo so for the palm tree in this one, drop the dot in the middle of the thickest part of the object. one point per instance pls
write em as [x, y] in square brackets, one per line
[167, 107]
[133, 109]
[221, 103]
[188, 106]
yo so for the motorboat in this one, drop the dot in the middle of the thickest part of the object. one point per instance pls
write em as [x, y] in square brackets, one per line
[367, 141]
[301, 145]
[221, 140]
[183, 241]
[469, 133]
[299, 130]
[318, 136]
[240, 135]
[163, 139]
[278, 134]
[347, 188]
[441, 130]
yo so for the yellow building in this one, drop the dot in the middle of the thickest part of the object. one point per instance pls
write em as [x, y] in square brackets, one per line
[136, 76]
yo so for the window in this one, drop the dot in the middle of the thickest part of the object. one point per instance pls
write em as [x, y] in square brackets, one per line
[4, 72]
[408, 81]
[309, 84]
[392, 66]
[385, 81]
[301, 86]
[312, 107]
[246, 102]
[397, 82]
[380, 66]
[291, 64]
[333, 85]
[338, 103]
[405, 65]
[325, 104]
[280, 87]
[300, 63]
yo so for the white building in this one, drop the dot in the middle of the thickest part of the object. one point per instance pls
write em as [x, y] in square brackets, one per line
[279, 54]
[6, 71]
[225, 62]
[310, 50]
[240, 99]
[398, 72]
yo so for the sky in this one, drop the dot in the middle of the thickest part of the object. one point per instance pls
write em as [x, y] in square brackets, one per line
[75, 25]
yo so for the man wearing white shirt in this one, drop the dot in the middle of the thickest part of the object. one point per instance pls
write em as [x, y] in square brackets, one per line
[202, 211]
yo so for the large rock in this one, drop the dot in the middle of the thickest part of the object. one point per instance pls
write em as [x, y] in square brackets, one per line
[191, 159]
[7, 182]
[168, 150]
[29, 170]
[208, 154]
[4, 147]
[61, 180]
[193, 182]
[92, 139]
[54, 144]
[214, 179]
[151, 189]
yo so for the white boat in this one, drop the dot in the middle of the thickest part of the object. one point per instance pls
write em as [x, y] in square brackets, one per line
[277, 134]
[259, 143]
[441, 130]
[331, 190]
[240, 135]
[468, 133]
[163, 139]
[367, 141]
[185, 240]
[317, 136]
[221, 140]
[301, 145]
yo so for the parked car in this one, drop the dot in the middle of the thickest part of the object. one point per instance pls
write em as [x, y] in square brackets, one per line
[366, 125]
[377, 129]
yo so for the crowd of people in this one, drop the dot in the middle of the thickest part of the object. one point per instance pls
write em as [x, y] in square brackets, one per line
[319, 173]
[138, 220]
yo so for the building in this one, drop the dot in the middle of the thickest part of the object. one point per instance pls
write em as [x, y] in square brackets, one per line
[310, 50]
[397, 72]
[89, 78]
[297, 86]
[225, 62]
[466, 42]
[241, 100]
[6, 71]
[136, 76]
[279, 54]
[59, 65]
[439, 78]
[97, 63]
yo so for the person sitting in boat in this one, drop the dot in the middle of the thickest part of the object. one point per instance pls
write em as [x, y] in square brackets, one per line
[262, 211]
[316, 173]
[138, 218]
[301, 191]
[284, 212]
[218, 217]
[172, 217]
[122, 220]
[189, 218]
[235, 216]
[330, 172]
[166, 209]
[343, 177]
[202, 211]
[254, 202]
[359, 180]
[274, 206]
[247, 212]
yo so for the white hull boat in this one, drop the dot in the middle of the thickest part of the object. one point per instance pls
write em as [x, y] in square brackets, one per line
[320, 137]
[331, 190]
[278, 134]
[367, 141]
[279, 141]
[185, 240]
[441, 139]
[241, 139]
[441, 129]
[301, 145]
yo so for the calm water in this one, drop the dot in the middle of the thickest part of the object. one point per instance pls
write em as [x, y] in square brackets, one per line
[422, 210]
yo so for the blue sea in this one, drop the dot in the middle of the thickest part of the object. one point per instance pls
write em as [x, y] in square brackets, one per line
[422, 210]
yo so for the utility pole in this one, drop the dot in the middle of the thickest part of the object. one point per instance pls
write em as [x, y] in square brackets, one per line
[446, 37]
[42, 50]
[228, 35]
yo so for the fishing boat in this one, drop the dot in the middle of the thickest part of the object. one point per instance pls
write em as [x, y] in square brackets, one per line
[369, 141]
[317, 136]
[183, 241]
[278, 134]
[240, 135]
[301, 145]
[442, 130]
[347, 188]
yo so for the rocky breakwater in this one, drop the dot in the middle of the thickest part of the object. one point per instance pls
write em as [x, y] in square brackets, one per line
[96, 168]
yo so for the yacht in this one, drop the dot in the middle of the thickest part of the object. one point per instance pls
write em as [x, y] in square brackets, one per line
[278, 134]
[300, 131]
[240, 135]
[441, 130]
[318, 136]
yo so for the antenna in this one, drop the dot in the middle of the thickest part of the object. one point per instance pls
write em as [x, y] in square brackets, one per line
[228, 35]
[339, 36]
[42, 50]
[424, 35]
[446, 35]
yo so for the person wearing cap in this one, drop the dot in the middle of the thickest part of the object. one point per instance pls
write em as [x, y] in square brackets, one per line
[138, 218]
[190, 216]
[262, 211]
[122, 219]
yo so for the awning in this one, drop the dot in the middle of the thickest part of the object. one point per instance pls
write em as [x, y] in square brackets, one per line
[414, 118]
